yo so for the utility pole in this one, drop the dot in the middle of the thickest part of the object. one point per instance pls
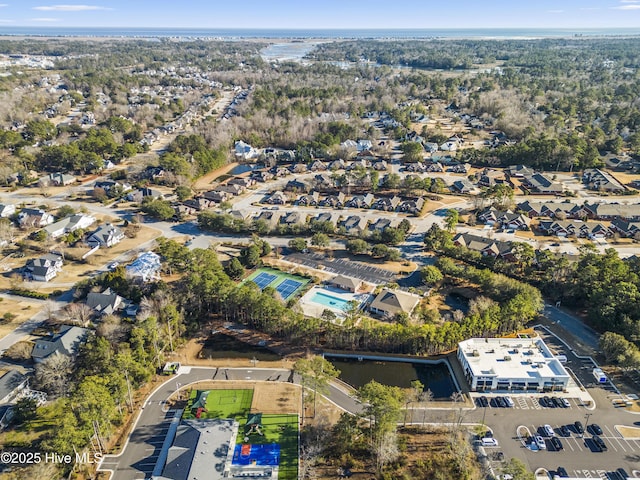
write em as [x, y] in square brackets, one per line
[586, 422]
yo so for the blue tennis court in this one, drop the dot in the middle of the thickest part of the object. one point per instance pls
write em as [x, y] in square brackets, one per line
[264, 455]
[287, 287]
[263, 279]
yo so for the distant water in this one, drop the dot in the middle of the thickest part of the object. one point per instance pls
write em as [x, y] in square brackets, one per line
[231, 33]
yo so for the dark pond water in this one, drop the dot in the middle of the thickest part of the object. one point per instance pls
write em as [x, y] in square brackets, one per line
[435, 377]
[457, 302]
[242, 168]
[224, 346]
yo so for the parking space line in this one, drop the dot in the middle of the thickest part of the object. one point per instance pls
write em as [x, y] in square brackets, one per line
[615, 437]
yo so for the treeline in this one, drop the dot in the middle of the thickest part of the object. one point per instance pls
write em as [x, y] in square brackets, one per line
[190, 157]
[604, 286]
[206, 289]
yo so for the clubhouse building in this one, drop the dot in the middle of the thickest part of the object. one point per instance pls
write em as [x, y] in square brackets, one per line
[511, 364]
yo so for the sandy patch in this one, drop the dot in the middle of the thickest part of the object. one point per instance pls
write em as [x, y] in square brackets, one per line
[23, 310]
[629, 433]
[205, 182]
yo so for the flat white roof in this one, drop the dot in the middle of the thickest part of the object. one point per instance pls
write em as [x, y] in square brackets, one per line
[514, 358]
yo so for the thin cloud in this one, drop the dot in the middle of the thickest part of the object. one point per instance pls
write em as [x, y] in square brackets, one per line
[70, 8]
[630, 6]
[555, 11]
[45, 19]
[630, 1]
[7, 21]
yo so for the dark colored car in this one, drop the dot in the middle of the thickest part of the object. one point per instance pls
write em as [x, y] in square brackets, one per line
[484, 402]
[578, 426]
[564, 431]
[501, 403]
[557, 444]
[595, 429]
[545, 401]
[623, 473]
[600, 443]
[556, 402]
[562, 472]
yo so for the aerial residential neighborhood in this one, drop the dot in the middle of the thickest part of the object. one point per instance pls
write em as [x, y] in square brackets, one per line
[318, 256]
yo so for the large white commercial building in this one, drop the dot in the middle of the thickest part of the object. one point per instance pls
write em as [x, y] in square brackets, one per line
[511, 364]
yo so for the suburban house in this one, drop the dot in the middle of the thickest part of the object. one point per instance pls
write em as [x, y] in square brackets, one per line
[277, 198]
[232, 189]
[364, 145]
[518, 171]
[610, 211]
[57, 179]
[412, 206]
[577, 228]
[506, 219]
[6, 210]
[245, 151]
[334, 201]
[596, 179]
[490, 177]
[552, 209]
[360, 201]
[44, 268]
[106, 235]
[208, 198]
[244, 182]
[69, 224]
[109, 185]
[310, 200]
[625, 228]
[323, 181]
[417, 167]
[380, 165]
[145, 268]
[297, 186]
[460, 168]
[291, 218]
[34, 217]
[486, 246]
[540, 183]
[387, 204]
[337, 165]
[11, 384]
[433, 167]
[325, 217]
[262, 176]
[299, 168]
[354, 223]
[318, 166]
[142, 193]
[389, 303]
[269, 217]
[108, 302]
[66, 342]
[463, 186]
[381, 223]
[347, 284]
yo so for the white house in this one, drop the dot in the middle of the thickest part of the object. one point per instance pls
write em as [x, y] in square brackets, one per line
[44, 268]
[146, 267]
[34, 217]
[106, 236]
[6, 210]
[69, 224]
[245, 151]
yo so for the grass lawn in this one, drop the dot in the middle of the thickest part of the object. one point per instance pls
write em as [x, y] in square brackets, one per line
[221, 404]
[280, 278]
[283, 430]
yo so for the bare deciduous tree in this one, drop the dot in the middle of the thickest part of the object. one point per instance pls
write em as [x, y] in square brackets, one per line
[53, 374]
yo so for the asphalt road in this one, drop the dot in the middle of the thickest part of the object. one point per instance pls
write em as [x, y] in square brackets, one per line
[138, 458]
[584, 336]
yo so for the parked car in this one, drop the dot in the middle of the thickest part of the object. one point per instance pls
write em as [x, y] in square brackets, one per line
[484, 401]
[565, 403]
[564, 431]
[578, 427]
[595, 429]
[562, 472]
[509, 402]
[501, 403]
[556, 402]
[540, 442]
[489, 442]
[548, 430]
[546, 402]
[600, 443]
[623, 473]
[557, 444]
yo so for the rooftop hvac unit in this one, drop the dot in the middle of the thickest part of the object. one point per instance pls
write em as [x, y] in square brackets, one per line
[476, 353]
[507, 358]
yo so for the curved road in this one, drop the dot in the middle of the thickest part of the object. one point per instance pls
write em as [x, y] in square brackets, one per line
[138, 457]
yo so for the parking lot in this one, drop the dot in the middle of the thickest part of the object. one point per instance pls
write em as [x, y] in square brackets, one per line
[343, 267]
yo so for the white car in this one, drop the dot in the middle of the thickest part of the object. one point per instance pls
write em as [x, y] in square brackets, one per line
[489, 442]
[548, 430]
[509, 401]
[565, 402]
[540, 442]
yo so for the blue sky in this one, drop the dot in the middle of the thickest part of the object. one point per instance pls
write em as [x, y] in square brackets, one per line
[323, 13]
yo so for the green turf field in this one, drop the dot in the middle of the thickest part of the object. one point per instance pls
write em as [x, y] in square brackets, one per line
[281, 429]
[220, 404]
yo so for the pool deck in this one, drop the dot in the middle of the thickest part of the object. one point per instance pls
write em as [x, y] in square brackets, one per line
[312, 309]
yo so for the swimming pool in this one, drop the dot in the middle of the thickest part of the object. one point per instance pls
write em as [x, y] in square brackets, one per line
[330, 301]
